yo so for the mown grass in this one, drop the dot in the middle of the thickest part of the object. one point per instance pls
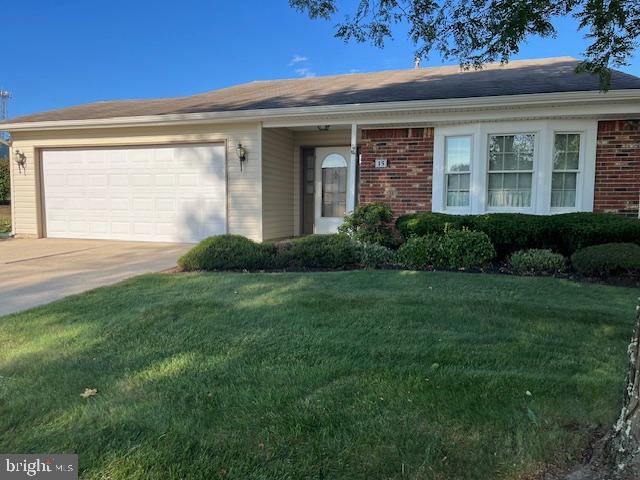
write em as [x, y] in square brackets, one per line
[381, 374]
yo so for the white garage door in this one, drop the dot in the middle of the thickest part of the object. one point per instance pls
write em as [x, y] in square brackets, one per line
[158, 194]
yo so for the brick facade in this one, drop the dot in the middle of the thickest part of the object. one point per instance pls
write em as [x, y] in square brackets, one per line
[617, 187]
[405, 184]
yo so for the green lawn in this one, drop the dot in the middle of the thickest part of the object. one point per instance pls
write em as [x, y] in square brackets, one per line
[365, 375]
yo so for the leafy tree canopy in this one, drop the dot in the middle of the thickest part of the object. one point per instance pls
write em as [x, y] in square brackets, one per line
[479, 31]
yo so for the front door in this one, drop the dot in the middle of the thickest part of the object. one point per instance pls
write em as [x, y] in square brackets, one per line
[332, 178]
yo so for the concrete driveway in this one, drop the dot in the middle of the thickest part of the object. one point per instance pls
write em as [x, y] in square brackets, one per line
[35, 272]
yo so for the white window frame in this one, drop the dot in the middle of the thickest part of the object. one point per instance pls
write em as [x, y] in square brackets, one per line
[454, 209]
[544, 131]
[439, 188]
[579, 173]
[536, 151]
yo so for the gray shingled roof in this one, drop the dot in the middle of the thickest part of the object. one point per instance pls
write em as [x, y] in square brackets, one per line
[431, 83]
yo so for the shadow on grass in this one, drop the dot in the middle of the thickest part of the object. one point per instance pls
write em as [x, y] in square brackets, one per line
[328, 375]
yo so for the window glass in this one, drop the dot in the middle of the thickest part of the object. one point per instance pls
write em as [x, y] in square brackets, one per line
[334, 186]
[566, 164]
[510, 170]
[334, 160]
[457, 166]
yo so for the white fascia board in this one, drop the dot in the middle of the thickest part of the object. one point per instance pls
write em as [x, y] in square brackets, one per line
[350, 113]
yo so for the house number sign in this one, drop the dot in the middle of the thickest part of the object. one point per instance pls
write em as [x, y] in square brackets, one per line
[381, 163]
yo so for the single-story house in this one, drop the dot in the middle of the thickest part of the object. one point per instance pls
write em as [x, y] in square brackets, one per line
[281, 158]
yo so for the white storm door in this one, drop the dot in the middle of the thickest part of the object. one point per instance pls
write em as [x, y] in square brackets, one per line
[157, 194]
[332, 188]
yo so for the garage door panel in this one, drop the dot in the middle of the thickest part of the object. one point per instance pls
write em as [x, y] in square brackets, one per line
[148, 194]
[75, 180]
[77, 227]
[165, 180]
[116, 205]
[166, 205]
[118, 180]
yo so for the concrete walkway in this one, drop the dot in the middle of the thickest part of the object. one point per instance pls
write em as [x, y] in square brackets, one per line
[35, 272]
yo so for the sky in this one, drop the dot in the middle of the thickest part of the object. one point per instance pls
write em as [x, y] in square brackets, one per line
[67, 52]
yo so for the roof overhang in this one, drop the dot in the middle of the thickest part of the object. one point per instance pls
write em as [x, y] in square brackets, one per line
[566, 104]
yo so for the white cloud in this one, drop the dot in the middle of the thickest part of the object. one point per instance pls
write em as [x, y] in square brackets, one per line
[297, 59]
[302, 66]
[305, 72]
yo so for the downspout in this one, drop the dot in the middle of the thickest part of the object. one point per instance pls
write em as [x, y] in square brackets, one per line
[351, 199]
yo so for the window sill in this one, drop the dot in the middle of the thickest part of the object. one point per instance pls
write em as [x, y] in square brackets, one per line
[457, 211]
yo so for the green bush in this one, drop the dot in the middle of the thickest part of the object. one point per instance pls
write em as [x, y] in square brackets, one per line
[318, 251]
[510, 232]
[5, 224]
[229, 252]
[372, 255]
[5, 181]
[418, 252]
[370, 223]
[537, 261]
[451, 249]
[608, 259]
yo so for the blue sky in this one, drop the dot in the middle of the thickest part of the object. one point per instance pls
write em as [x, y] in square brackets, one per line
[66, 52]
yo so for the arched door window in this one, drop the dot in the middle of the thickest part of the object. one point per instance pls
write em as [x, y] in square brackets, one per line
[334, 186]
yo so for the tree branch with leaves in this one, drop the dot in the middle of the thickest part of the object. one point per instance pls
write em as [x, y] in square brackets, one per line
[475, 32]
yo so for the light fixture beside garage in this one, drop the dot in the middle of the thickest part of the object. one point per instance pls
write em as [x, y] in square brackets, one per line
[242, 154]
[21, 160]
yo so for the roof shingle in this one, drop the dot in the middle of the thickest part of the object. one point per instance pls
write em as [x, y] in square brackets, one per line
[432, 83]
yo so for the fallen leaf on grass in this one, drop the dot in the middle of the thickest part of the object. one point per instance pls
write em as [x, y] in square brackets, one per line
[89, 392]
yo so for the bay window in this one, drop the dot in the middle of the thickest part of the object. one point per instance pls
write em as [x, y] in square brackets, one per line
[528, 166]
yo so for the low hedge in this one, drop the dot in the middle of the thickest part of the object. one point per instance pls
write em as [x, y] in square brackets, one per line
[608, 259]
[229, 252]
[537, 261]
[510, 232]
[372, 255]
[450, 249]
[334, 251]
[234, 252]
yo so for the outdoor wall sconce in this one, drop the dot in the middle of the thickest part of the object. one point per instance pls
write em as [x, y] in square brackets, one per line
[242, 154]
[324, 128]
[21, 161]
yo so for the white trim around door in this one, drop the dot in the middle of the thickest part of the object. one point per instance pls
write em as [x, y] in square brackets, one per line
[334, 192]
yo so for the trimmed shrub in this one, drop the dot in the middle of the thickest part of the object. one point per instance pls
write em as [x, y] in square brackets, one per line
[372, 255]
[510, 232]
[418, 252]
[537, 261]
[451, 249]
[229, 252]
[370, 223]
[319, 251]
[608, 259]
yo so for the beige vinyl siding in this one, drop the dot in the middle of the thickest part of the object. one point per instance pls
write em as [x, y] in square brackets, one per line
[277, 183]
[243, 188]
[312, 138]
